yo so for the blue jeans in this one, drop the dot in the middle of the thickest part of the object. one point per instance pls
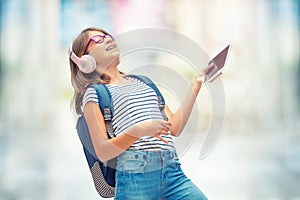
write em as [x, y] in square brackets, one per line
[153, 175]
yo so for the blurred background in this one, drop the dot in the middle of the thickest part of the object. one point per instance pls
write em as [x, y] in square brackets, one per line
[258, 155]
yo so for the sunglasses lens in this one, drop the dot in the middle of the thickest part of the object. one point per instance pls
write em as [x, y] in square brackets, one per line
[98, 39]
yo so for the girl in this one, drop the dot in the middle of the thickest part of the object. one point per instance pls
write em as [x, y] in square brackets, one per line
[148, 166]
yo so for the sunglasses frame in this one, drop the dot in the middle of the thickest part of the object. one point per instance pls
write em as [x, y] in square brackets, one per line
[97, 39]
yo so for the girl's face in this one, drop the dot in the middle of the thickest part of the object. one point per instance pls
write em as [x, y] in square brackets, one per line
[104, 49]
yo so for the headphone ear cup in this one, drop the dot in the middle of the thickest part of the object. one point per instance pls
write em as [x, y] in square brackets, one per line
[87, 64]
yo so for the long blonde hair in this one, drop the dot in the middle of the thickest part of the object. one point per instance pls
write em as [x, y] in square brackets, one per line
[80, 81]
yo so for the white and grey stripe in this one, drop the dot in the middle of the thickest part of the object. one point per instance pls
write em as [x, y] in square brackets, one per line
[133, 103]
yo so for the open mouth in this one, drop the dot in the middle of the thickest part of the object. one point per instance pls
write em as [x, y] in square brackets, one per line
[111, 48]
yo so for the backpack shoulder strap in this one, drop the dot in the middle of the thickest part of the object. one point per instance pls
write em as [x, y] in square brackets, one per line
[161, 100]
[106, 106]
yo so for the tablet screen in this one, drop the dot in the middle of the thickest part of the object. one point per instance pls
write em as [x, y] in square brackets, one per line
[220, 59]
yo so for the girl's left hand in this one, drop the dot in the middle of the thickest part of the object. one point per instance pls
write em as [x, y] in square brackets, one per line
[207, 72]
[203, 75]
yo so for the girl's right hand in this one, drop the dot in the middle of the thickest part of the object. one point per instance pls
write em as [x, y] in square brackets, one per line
[150, 128]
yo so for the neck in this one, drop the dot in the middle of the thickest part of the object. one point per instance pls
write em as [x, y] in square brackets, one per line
[114, 75]
[113, 72]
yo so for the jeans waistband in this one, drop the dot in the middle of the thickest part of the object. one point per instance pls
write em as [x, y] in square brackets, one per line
[145, 161]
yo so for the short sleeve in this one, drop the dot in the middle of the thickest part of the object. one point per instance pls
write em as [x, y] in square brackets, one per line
[89, 95]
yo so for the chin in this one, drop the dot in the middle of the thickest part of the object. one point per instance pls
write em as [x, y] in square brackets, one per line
[118, 60]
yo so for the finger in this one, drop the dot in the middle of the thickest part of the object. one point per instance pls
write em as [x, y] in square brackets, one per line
[220, 73]
[212, 71]
[167, 124]
[161, 138]
[209, 68]
[164, 132]
[211, 64]
[165, 129]
[209, 71]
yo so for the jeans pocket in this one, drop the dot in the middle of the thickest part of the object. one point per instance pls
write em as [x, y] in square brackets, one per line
[133, 163]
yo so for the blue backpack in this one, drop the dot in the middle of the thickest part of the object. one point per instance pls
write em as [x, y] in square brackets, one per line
[104, 173]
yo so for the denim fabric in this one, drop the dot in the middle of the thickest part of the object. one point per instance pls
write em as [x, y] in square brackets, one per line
[153, 175]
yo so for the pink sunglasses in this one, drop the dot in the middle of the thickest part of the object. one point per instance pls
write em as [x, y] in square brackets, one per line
[98, 39]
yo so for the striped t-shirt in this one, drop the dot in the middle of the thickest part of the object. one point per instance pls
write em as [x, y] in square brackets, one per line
[133, 103]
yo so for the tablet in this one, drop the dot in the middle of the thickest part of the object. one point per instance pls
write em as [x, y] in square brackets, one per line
[219, 61]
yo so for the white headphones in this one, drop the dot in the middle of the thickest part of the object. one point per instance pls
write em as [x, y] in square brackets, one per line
[85, 63]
